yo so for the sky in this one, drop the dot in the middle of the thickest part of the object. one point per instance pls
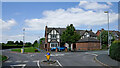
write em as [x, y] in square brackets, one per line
[34, 16]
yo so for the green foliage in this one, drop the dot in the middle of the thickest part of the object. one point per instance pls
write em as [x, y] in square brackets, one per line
[104, 38]
[115, 50]
[2, 58]
[28, 44]
[35, 44]
[42, 39]
[69, 35]
[3, 44]
[104, 46]
[21, 43]
[10, 42]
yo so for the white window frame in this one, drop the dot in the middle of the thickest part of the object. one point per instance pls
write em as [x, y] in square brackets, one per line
[53, 43]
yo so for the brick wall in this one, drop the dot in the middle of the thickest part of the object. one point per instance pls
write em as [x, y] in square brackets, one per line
[88, 46]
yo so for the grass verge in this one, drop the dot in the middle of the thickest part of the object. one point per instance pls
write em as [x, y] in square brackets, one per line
[3, 58]
[26, 50]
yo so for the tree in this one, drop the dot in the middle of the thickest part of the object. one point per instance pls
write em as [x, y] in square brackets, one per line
[21, 43]
[16, 42]
[69, 35]
[10, 42]
[28, 44]
[41, 40]
[104, 38]
[35, 44]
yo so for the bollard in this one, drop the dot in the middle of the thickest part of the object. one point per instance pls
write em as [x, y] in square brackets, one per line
[56, 50]
[22, 50]
[66, 49]
[48, 55]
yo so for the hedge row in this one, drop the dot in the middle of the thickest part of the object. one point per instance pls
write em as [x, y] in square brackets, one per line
[115, 50]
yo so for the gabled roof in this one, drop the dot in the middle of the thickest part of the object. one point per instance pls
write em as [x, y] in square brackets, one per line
[88, 39]
[60, 30]
[81, 32]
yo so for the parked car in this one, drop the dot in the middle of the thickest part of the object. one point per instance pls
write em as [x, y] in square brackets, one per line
[61, 48]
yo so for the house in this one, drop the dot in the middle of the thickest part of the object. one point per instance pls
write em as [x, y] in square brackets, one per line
[88, 40]
[116, 34]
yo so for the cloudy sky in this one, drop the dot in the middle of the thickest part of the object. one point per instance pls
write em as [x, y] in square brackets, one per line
[33, 16]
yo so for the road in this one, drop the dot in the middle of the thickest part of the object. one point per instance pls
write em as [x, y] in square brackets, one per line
[63, 58]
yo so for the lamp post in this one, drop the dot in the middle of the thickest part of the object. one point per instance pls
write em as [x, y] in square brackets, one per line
[100, 41]
[22, 50]
[23, 37]
[108, 29]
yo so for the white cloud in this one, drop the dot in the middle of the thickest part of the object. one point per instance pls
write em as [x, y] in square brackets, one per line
[7, 24]
[75, 15]
[93, 5]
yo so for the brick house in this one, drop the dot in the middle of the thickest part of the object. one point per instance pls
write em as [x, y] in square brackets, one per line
[116, 34]
[88, 40]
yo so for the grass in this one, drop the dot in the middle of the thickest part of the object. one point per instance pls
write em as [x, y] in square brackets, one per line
[26, 49]
[3, 58]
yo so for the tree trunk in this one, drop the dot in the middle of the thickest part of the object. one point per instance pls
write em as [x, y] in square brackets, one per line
[69, 47]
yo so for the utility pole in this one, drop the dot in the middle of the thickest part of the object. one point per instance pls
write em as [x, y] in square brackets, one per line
[23, 37]
[108, 30]
[59, 39]
[100, 41]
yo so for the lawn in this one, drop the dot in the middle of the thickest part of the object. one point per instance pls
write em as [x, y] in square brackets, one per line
[26, 49]
[2, 58]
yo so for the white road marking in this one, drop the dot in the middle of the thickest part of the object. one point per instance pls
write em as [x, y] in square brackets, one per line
[35, 61]
[25, 61]
[94, 54]
[8, 61]
[38, 64]
[59, 63]
[23, 65]
[18, 61]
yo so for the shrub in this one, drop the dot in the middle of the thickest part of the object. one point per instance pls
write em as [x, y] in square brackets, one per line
[104, 46]
[115, 50]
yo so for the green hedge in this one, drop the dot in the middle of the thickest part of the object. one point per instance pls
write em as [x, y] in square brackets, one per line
[115, 50]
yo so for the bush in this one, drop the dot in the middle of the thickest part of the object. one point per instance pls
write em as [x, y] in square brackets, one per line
[115, 50]
[104, 46]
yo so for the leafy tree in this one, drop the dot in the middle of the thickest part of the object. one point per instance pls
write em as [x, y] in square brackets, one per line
[3, 44]
[104, 38]
[16, 42]
[69, 35]
[41, 40]
[28, 44]
[10, 42]
[21, 43]
[35, 44]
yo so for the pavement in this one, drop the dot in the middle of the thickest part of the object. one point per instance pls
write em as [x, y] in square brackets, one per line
[107, 61]
[63, 59]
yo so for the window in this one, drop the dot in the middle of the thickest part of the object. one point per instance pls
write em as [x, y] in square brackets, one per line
[53, 36]
[53, 45]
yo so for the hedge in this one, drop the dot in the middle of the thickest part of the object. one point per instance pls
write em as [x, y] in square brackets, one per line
[115, 50]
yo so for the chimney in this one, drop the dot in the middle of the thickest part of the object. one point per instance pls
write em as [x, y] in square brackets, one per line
[102, 29]
[91, 30]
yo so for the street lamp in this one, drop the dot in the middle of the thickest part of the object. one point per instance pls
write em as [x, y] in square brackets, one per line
[22, 50]
[100, 41]
[108, 29]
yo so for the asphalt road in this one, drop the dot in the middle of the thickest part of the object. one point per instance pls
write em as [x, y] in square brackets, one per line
[62, 58]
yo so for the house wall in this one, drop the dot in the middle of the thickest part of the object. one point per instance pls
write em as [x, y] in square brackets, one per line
[87, 46]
